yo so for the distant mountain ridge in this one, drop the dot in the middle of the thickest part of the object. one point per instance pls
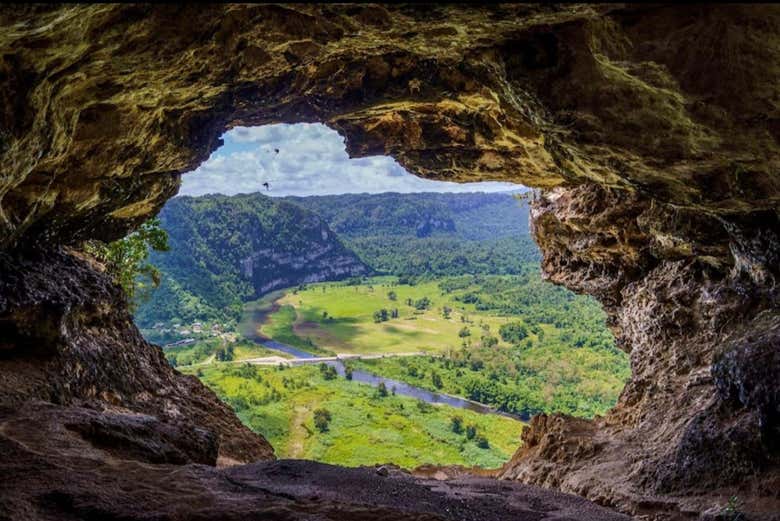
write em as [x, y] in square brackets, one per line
[421, 234]
[474, 216]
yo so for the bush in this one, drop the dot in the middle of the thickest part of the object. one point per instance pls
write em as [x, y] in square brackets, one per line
[471, 431]
[482, 442]
[489, 341]
[456, 424]
[423, 303]
[513, 332]
[322, 418]
[424, 407]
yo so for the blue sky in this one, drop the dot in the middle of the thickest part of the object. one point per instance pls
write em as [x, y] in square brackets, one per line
[311, 160]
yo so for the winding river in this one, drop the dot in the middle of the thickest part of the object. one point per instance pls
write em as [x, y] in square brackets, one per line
[397, 386]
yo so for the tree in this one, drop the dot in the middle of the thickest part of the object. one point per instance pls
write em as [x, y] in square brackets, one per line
[381, 390]
[436, 379]
[456, 424]
[348, 373]
[464, 332]
[392, 296]
[482, 442]
[489, 341]
[471, 431]
[381, 316]
[513, 332]
[322, 418]
[330, 373]
[446, 311]
[422, 304]
[125, 260]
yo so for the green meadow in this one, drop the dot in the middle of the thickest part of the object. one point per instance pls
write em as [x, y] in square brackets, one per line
[339, 317]
[514, 342]
[364, 428]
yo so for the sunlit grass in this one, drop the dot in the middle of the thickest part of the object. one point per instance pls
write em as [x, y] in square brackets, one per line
[364, 429]
[339, 318]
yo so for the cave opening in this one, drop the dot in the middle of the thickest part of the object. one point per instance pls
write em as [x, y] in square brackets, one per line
[355, 314]
[650, 131]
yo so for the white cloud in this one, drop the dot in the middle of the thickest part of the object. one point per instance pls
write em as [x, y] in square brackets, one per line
[306, 159]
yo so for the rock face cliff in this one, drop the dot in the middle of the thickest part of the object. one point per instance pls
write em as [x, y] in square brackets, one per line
[652, 131]
[226, 250]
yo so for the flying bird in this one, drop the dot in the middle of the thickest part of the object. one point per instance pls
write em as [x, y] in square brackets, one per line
[267, 187]
[276, 150]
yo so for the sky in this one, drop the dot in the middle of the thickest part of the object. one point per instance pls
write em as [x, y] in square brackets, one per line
[311, 160]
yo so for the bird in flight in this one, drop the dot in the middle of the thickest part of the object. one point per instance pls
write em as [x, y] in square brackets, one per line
[267, 187]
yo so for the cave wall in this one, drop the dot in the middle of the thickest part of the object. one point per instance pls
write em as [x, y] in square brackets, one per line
[651, 130]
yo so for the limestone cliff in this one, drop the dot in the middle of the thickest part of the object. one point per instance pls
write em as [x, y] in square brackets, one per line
[652, 129]
[226, 250]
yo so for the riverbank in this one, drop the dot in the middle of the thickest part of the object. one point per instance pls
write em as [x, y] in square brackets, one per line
[398, 386]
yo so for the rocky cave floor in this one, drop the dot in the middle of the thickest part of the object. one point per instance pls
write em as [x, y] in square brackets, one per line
[76, 463]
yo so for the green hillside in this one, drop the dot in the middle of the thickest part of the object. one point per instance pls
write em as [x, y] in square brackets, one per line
[226, 250]
[431, 234]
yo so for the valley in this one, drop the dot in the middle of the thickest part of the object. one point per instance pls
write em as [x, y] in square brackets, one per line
[367, 425]
[420, 334]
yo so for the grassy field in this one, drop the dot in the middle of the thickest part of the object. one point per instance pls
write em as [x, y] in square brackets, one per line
[204, 351]
[553, 354]
[269, 318]
[364, 428]
[339, 318]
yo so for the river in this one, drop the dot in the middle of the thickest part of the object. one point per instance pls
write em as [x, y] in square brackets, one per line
[397, 386]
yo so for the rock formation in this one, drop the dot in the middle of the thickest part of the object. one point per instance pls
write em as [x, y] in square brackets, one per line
[652, 130]
[247, 245]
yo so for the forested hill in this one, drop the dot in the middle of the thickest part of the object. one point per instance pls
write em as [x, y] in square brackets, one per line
[471, 216]
[225, 250]
[431, 233]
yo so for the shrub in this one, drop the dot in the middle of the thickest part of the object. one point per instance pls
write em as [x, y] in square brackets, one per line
[513, 332]
[322, 418]
[423, 303]
[456, 424]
